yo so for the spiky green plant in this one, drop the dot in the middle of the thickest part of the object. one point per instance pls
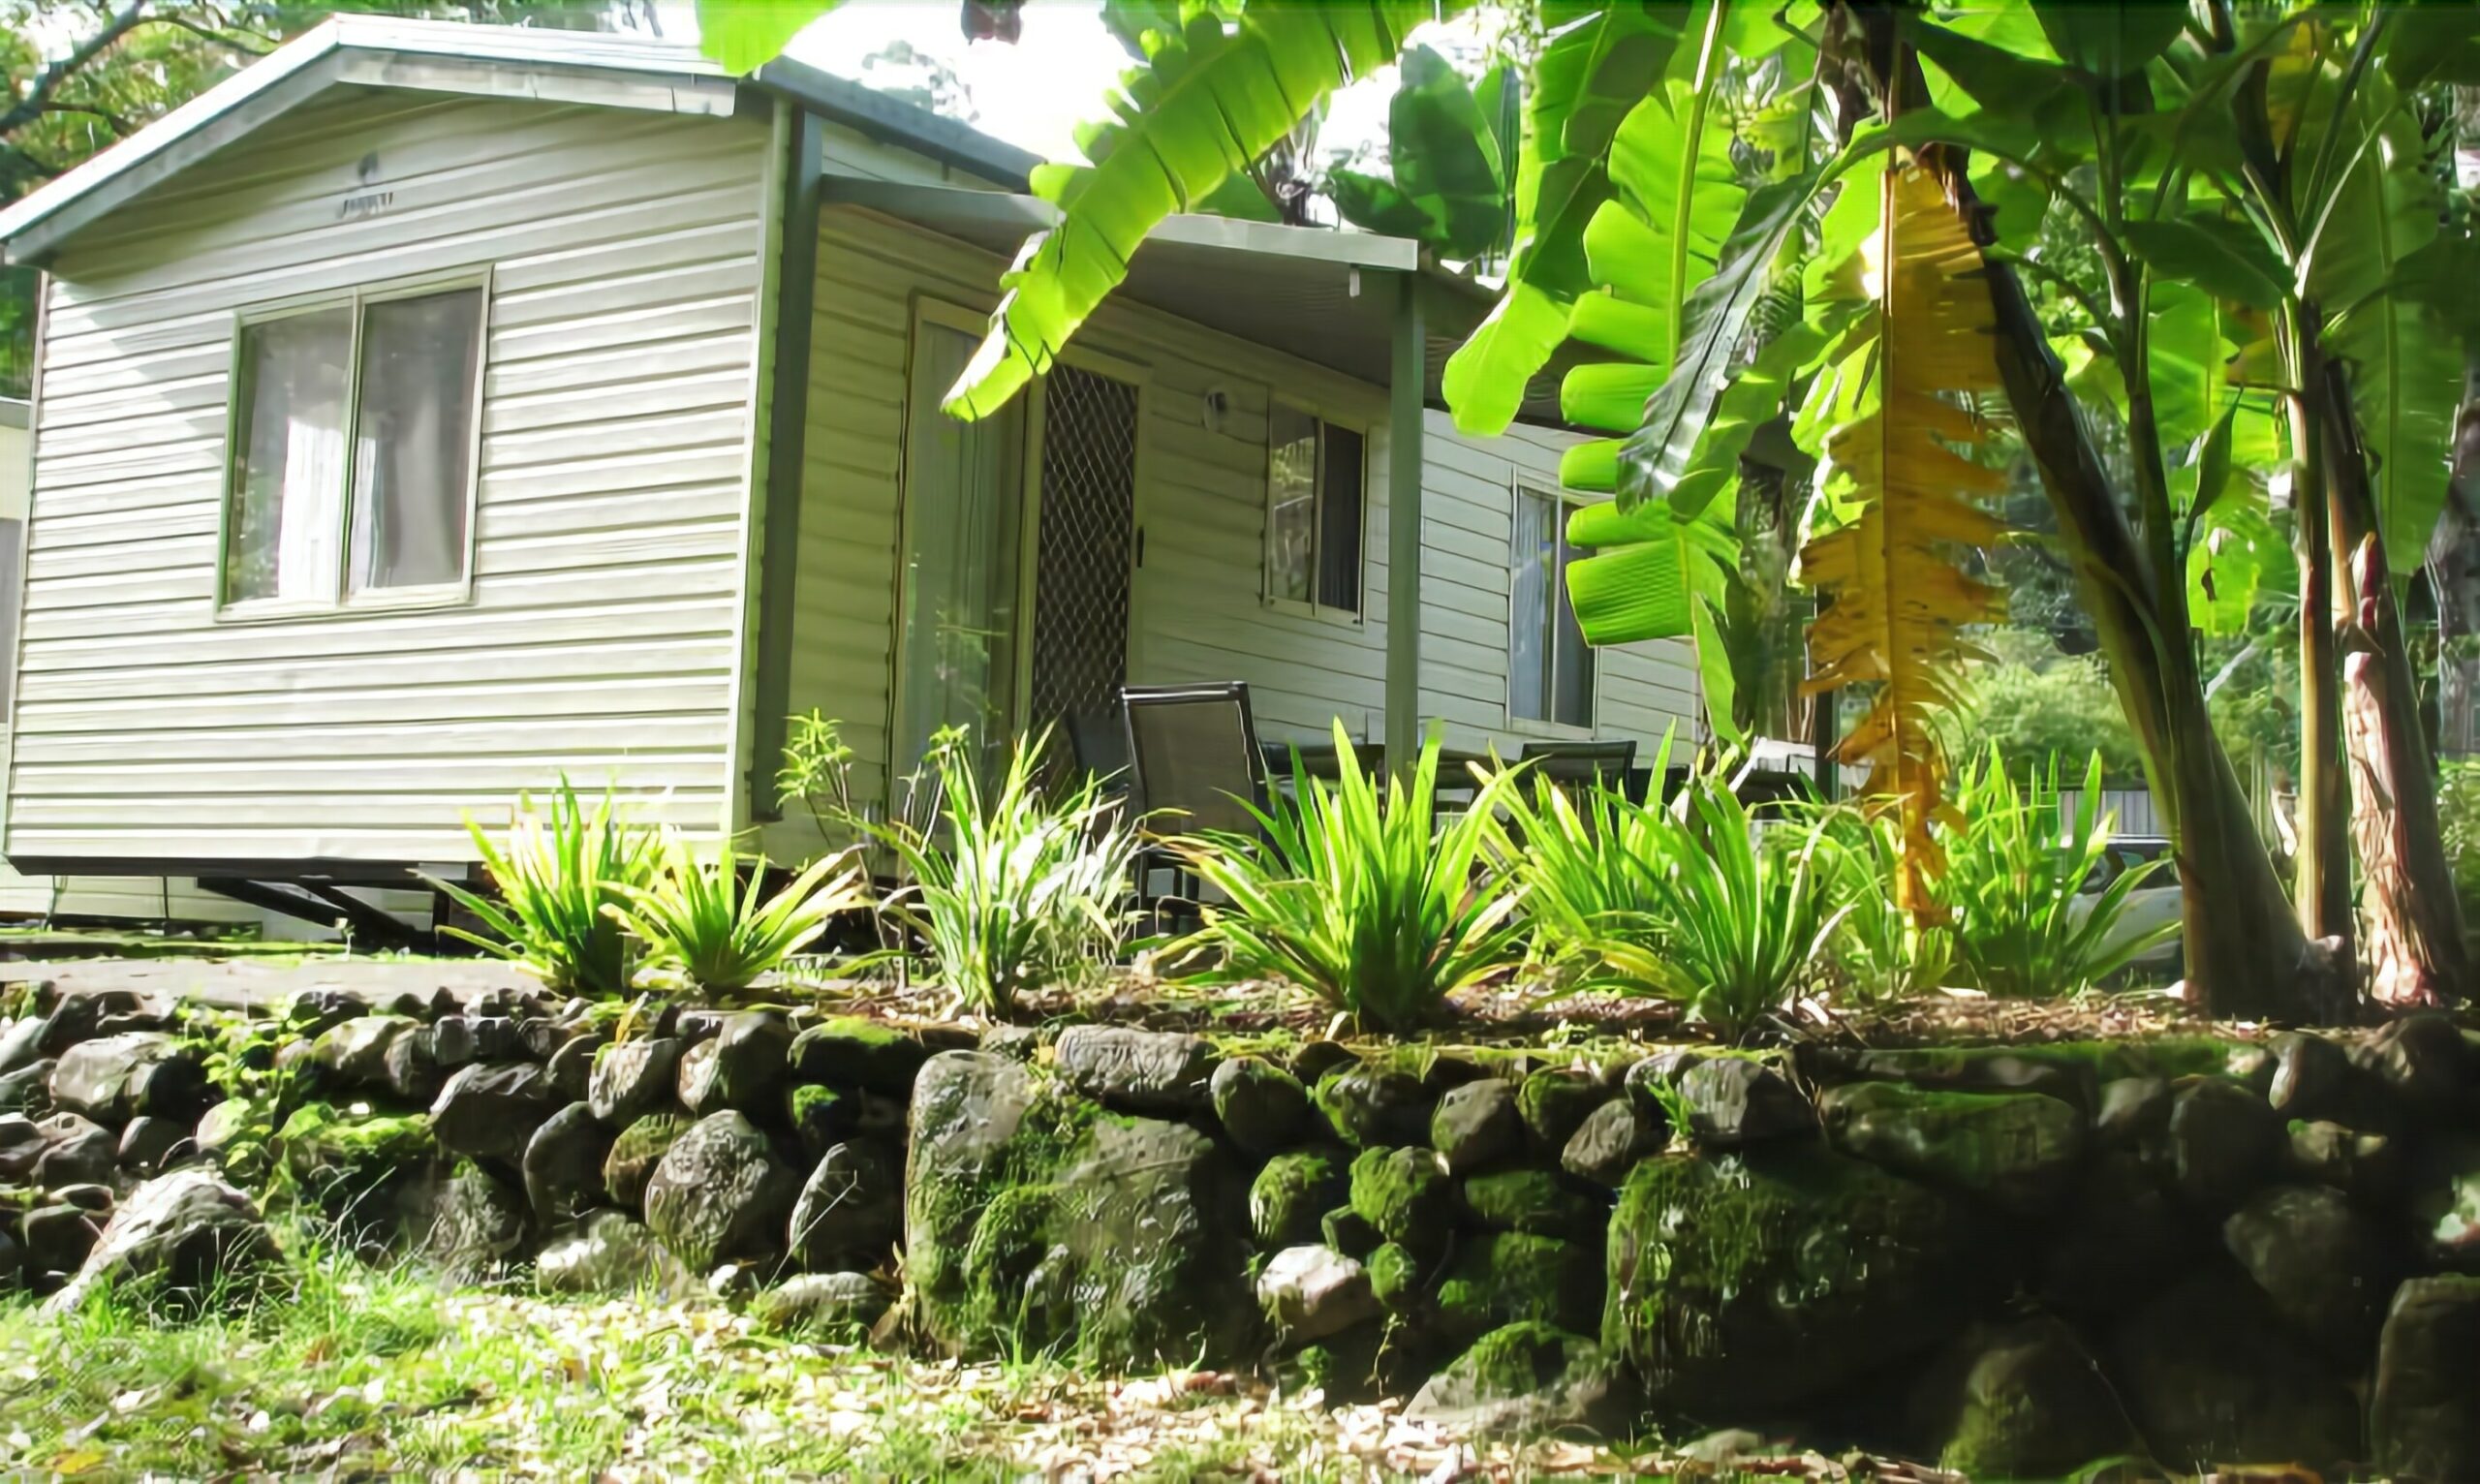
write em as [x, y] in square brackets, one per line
[2014, 890]
[1014, 888]
[1737, 920]
[556, 873]
[720, 932]
[1580, 857]
[1357, 895]
[1880, 952]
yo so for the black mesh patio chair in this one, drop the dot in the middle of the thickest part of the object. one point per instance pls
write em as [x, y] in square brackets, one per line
[1194, 766]
[1570, 764]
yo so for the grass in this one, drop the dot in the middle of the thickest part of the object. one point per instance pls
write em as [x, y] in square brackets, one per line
[369, 1372]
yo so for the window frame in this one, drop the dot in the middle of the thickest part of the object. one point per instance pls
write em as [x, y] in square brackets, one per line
[1314, 606]
[342, 601]
[1567, 504]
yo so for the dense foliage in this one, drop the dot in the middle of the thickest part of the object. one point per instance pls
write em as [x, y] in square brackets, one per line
[1014, 887]
[1358, 892]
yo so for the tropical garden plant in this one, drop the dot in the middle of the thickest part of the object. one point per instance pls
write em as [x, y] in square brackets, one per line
[1358, 892]
[1737, 917]
[1013, 887]
[1580, 857]
[560, 873]
[2015, 893]
[714, 923]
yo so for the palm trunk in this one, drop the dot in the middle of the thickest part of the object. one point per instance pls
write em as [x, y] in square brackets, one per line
[2321, 877]
[2245, 953]
[2415, 948]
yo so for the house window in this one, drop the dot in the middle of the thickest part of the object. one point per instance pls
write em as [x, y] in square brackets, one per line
[352, 476]
[1314, 476]
[1549, 667]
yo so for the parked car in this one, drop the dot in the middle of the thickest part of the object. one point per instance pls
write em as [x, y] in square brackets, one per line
[2155, 902]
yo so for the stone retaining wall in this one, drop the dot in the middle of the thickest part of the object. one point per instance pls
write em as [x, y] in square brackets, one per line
[2013, 1260]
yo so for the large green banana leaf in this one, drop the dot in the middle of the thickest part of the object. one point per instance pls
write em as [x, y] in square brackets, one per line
[1450, 188]
[1446, 153]
[745, 35]
[2406, 370]
[1195, 114]
[1601, 61]
[1659, 239]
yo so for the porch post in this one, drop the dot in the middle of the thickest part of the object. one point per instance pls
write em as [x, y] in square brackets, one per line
[1405, 385]
[787, 420]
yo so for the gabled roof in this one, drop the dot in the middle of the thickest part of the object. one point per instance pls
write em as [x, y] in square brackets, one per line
[498, 61]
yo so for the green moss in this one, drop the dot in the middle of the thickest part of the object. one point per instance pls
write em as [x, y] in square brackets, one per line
[1405, 1193]
[1395, 1277]
[635, 1153]
[1760, 1278]
[1557, 1100]
[1291, 1194]
[1537, 1202]
[851, 1051]
[822, 1116]
[317, 1137]
[1518, 1358]
[1371, 1106]
[1508, 1278]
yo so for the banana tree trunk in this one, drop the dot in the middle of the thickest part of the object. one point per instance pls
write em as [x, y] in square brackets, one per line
[2245, 954]
[2414, 947]
[2321, 876]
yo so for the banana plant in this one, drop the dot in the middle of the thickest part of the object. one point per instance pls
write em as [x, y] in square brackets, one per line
[1450, 151]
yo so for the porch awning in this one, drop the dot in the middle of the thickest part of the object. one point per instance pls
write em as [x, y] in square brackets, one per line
[1309, 291]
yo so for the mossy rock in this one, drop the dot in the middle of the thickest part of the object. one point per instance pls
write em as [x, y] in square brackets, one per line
[2020, 1401]
[636, 1152]
[1764, 1279]
[1406, 1195]
[851, 1051]
[2019, 1149]
[1529, 1377]
[1374, 1106]
[339, 1160]
[1510, 1277]
[2212, 1373]
[1036, 1221]
[1537, 1203]
[1555, 1102]
[1397, 1278]
[1291, 1195]
[821, 1116]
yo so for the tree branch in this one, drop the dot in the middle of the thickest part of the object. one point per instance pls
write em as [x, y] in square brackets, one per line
[47, 81]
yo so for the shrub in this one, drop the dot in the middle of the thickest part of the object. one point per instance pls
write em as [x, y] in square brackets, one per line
[1737, 920]
[700, 919]
[556, 875]
[2013, 887]
[1358, 896]
[1581, 858]
[2459, 817]
[1012, 890]
[1879, 951]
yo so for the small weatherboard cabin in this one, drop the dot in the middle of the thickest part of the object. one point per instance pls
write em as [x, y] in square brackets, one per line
[430, 411]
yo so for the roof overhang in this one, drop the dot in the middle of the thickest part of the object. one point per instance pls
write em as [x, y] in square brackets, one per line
[488, 61]
[1311, 293]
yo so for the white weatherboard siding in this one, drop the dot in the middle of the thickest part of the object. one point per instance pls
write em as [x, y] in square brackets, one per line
[625, 250]
[1199, 610]
[1469, 498]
